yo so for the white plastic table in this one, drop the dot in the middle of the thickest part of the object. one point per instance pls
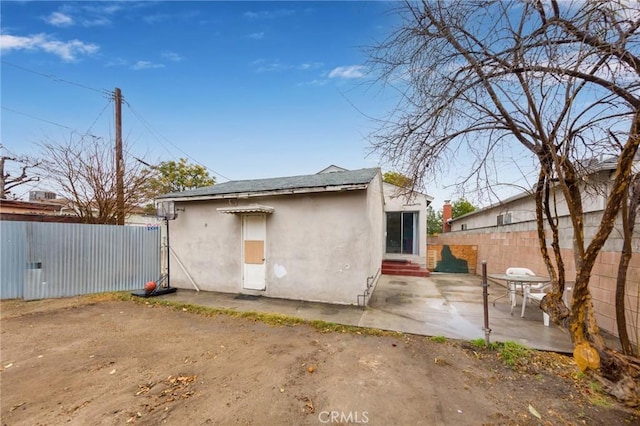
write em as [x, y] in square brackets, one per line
[516, 280]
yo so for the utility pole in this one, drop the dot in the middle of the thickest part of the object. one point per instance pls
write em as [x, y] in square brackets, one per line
[119, 162]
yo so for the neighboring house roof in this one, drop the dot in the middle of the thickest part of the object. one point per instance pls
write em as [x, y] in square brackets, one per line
[323, 182]
[64, 203]
[493, 206]
[593, 166]
[139, 211]
[19, 206]
[333, 168]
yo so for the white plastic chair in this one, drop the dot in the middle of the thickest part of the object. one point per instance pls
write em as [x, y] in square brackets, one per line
[517, 271]
[536, 296]
[520, 271]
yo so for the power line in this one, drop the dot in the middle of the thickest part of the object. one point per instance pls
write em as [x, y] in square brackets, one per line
[48, 178]
[37, 118]
[62, 125]
[149, 129]
[96, 120]
[58, 79]
[109, 94]
[148, 126]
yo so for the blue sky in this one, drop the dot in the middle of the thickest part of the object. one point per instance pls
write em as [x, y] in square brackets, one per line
[248, 89]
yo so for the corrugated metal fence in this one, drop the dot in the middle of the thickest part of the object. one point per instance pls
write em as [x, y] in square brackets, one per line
[44, 260]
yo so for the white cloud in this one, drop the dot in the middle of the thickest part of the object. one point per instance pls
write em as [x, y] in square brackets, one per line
[262, 65]
[157, 18]
[117, 62]
[108, 8]
[317, 83]
[163, 17]
[310, 66]
[145, 65]
[172, 56]
[256, 36]
[269, 14]
[98, 8]
[86, 15]
[9, 42]
[67, 50]
[59, 19]
[96, 22]
[350, 71]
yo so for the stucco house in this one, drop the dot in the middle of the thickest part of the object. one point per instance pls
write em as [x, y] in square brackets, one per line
[314, 237]
[595, 186]
[405, 222]
[318, 237]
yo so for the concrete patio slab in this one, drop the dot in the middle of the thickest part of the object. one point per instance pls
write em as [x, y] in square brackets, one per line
[455, 310]
[448, 305]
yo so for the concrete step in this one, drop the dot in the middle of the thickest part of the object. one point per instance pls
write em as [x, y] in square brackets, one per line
[390, 266]
[396, 261]
[407, 272]
[403, 267]
[399, 263]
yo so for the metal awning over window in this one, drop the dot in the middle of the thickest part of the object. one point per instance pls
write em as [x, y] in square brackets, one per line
[252, 208]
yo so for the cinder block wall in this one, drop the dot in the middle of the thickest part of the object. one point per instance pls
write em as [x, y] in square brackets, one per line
[517, 245]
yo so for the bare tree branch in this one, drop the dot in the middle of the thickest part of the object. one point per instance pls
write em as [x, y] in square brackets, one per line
[83, 172]
[8, 182]
[561, 80]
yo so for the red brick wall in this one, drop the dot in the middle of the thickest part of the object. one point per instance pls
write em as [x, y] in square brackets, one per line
[447, 213]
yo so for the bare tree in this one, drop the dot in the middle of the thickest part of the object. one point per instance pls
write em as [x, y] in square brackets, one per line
[561, 80]
[83, 171]
[8, 182]
[628, 215]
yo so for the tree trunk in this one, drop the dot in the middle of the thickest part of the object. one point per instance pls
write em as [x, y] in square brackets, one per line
[618, 374]
[628, 223]
[552, 303]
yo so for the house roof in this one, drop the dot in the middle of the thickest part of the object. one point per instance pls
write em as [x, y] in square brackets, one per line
[19, 205]
[402, 191]
[332, 169]
[336, 181]
[607, 163]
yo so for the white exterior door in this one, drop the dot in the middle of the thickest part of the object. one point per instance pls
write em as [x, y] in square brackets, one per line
[254, 233]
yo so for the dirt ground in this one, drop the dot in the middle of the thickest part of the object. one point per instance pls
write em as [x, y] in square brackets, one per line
[78, 361]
